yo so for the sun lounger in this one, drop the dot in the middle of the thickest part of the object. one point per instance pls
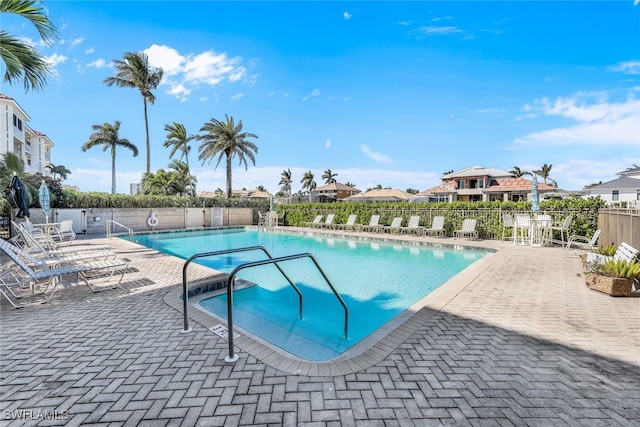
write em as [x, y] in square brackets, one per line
[49, 272]
[349, 225]
[437, 227]
[468, 229]
[315, 222]
[327, 222]
[413, 226]
[395, 226]
[624, 252]
[373, 226]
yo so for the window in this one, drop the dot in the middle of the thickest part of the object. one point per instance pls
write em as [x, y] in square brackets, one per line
[15, 120]
[638, 195]
[19, 124]
[461, 184]
[615, 195]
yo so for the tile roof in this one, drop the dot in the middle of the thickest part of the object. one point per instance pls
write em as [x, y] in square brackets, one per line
[336, 186]
[500, 185]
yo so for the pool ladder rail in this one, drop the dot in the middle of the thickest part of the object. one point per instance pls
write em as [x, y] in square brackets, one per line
[232, 357]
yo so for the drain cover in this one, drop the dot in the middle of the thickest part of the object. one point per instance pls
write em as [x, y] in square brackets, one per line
[222, 332]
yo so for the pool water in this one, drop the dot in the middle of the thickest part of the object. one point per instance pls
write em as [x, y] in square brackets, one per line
[376, 279]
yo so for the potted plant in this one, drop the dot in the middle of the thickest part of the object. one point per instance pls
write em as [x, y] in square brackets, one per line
[613, 276]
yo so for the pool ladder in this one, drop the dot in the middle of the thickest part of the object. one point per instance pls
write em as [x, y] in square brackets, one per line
[232, 357]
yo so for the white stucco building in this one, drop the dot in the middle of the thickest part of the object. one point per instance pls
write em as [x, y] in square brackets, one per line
[625, 189]
[16, 136]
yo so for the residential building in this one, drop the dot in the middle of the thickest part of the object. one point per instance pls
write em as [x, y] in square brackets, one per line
[381, 195]
[477, 183]
[334, 191]
[623, 190]
[16, 136]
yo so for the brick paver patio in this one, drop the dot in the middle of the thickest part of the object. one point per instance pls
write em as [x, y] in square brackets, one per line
[520, 341]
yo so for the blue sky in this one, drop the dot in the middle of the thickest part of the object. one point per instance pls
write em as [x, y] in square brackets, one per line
[389, 93]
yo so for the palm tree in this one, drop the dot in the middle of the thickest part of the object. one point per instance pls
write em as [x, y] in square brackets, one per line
[177, 139]
[329, 177]
[60, 170]
[20, 59]
[184, 182]
[308, 183]
[517, 172]
[350, 184]
[134, 72]
[544, 172]
[285, 182]
[226, 139]
[107, 136]
[261, 188]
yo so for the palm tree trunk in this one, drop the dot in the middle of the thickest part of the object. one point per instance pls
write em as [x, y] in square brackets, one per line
[146, 127]
[228, 176]
[113, 169]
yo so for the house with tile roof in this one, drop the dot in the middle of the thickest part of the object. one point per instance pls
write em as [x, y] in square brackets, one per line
[476, 183]
[333, 191]
[624, 189]
[381, 195]
[16, 136]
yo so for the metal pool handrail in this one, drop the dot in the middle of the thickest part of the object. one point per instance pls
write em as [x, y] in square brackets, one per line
[110, 222]
[232, 357]
[185, 295]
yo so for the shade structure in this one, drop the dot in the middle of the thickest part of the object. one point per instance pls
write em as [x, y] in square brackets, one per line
[45, 200]
[19, 197]
[535, 196]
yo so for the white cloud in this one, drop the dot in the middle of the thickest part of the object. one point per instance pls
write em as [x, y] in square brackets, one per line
[627, 67]
[327, 144]
[98, 63]
[183, 71]
[237, 96]
[346, 15]
[378, 157]
[438, 30]
[76, 42]
[313, 93]
[596, 121]
[56, 59]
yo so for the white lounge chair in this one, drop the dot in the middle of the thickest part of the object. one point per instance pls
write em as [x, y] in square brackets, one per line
[315, 221]
[582, 242]
[32, 272]
[413, 226]
[328, 222]
[437, 227]
[349, 225]
[624, 252]
[468, 229]
[395, 226]
[373, 226]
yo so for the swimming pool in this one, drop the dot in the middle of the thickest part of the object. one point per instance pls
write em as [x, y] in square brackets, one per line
[377, 279]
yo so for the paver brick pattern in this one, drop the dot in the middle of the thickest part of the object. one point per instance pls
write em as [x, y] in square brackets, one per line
[524, 344]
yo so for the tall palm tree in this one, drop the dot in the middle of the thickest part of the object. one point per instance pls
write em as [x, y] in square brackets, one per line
[107, 136]
[21, 60]
[226, 139]
[329, 176]
[308, 183]
[59, 170]
[178, 140]
[285, 182]
[134, 72]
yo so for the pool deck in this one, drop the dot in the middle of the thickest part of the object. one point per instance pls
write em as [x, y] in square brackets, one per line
[516, 339]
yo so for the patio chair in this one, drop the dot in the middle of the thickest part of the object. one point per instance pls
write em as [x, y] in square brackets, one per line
[623, 252]
[315, 221]
[328, 222]
[394, 227]
[468, 229]
[563, 227]
[507, 222]
[582, 242]
[46, 244]
[437, 227]
[262, 218]
[32, 272]
[64, 232]
[523, 226]
[373, 226]
[413, 226]
[349, 225]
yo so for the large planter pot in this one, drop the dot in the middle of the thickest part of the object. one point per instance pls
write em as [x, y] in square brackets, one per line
[614, 286]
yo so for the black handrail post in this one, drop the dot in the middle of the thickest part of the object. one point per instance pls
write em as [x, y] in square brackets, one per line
[232, 357]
